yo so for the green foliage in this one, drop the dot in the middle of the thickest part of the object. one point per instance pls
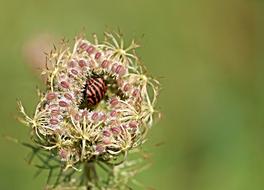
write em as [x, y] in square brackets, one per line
[116, 177]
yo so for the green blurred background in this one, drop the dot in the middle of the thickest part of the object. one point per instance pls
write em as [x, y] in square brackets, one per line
[209, 56]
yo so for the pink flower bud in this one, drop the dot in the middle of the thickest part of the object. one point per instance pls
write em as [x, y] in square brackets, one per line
[63, 103]
[55, 112]
[127, 87]
[51, 96]
[115, 130]
[72, 64]
[114, 66]
[106, 133]
[97, 55]
[65, 84]
[84, 113]
[113, 113]
[99, 148]
[77, 117]
[103, 117]
[54, 121]
[75, 72]
[90, 49]
[105, 64]
[135, 92]
[120, 70]
[114, 102]
[95, 116]
[53, 106]
[63, 154]
[68, 96]
[82, 63]
[133, 124]
[124, 127]
[106, 141]
[83, 45]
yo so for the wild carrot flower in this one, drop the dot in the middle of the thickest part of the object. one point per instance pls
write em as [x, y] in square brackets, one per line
[98, 104]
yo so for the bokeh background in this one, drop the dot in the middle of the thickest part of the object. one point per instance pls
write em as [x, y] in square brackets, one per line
[209, 57]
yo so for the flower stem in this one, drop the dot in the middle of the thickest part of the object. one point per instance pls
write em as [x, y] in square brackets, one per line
[90, 173]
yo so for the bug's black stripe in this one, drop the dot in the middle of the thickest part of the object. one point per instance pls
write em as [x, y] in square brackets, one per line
[91, 93]
[103, 85]
[91, 101]
[100, 84]
[97, 90]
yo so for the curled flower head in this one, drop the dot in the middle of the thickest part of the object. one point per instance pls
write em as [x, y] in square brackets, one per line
[99, 102]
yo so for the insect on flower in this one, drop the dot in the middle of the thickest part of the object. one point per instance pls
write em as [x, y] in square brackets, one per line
[98, 104]
[95, 90]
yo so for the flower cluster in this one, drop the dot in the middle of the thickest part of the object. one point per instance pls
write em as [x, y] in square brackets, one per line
[77, 131]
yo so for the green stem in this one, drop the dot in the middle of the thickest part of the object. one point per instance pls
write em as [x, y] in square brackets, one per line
[90, 174]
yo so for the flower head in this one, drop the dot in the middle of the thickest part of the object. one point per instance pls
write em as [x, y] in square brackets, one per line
[98, 103]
